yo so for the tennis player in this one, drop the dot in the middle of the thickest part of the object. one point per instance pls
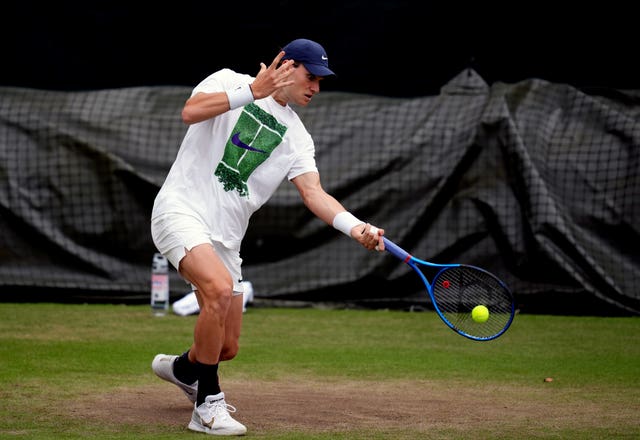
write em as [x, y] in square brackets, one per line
[243, 140]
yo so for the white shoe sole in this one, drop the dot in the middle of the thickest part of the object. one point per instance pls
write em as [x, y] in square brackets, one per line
[221, 431]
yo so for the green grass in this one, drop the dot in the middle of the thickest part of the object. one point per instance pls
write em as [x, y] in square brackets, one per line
[54, 354]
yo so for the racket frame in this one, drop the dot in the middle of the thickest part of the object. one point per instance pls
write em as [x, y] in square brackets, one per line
[415, 262]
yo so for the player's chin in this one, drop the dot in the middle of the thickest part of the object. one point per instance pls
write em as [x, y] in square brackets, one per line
[304, 100]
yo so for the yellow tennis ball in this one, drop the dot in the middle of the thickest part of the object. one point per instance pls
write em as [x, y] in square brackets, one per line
[480, 314]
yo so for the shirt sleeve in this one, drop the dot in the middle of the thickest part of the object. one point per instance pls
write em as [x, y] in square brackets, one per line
[305, 160]
[222, 80]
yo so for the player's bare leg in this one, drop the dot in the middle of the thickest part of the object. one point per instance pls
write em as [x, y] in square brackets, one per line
[214, 290]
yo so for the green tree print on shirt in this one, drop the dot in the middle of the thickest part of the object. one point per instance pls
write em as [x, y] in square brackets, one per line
[253, 138]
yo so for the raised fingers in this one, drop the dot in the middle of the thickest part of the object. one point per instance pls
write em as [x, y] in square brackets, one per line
[276, 60]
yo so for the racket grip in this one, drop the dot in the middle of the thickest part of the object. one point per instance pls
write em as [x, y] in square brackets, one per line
[395, 250]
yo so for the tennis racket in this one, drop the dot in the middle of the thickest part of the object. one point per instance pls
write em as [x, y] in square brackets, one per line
[457, 289]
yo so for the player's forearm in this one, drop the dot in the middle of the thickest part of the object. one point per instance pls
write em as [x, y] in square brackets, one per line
[324, 206]
[203, 106]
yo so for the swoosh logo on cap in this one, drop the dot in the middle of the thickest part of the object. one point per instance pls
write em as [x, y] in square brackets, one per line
[235, 140]
[324, 57]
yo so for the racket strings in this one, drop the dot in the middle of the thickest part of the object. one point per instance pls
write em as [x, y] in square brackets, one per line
[457, 290]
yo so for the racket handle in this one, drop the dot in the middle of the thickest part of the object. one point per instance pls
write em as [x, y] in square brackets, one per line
[395, 250]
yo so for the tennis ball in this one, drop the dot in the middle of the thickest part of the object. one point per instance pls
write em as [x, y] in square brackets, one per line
[480, 314]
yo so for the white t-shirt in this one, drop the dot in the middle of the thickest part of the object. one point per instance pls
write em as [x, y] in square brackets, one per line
[229, 166]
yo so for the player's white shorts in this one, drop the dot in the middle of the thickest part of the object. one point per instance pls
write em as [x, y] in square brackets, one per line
[172, 233]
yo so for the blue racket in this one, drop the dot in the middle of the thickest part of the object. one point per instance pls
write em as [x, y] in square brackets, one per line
[462, 295]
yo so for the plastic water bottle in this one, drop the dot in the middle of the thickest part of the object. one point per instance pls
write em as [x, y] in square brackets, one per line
[159, 285]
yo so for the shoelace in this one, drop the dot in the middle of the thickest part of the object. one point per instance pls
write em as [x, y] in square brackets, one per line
[220, 407]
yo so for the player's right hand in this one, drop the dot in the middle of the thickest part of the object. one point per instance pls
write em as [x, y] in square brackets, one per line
[269, 79]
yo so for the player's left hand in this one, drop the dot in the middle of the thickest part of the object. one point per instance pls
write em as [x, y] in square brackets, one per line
[371, 237]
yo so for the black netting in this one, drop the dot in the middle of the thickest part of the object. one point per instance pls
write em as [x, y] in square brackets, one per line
[534, 181]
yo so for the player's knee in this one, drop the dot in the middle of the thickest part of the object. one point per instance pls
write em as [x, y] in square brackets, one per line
[229, 351]
[216, 294]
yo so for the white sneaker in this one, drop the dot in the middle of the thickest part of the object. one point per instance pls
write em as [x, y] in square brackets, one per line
[162, 365]
[212, 417]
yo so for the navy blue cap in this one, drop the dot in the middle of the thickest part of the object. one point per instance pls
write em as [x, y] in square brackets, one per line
[309, 53]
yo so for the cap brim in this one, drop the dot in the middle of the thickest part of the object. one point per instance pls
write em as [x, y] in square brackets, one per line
[319, 70]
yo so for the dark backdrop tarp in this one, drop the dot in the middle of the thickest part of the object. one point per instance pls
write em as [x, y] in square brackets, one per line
[535, 181]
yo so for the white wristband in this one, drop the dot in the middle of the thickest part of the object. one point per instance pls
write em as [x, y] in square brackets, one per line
[240, 96]
[345, 222]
